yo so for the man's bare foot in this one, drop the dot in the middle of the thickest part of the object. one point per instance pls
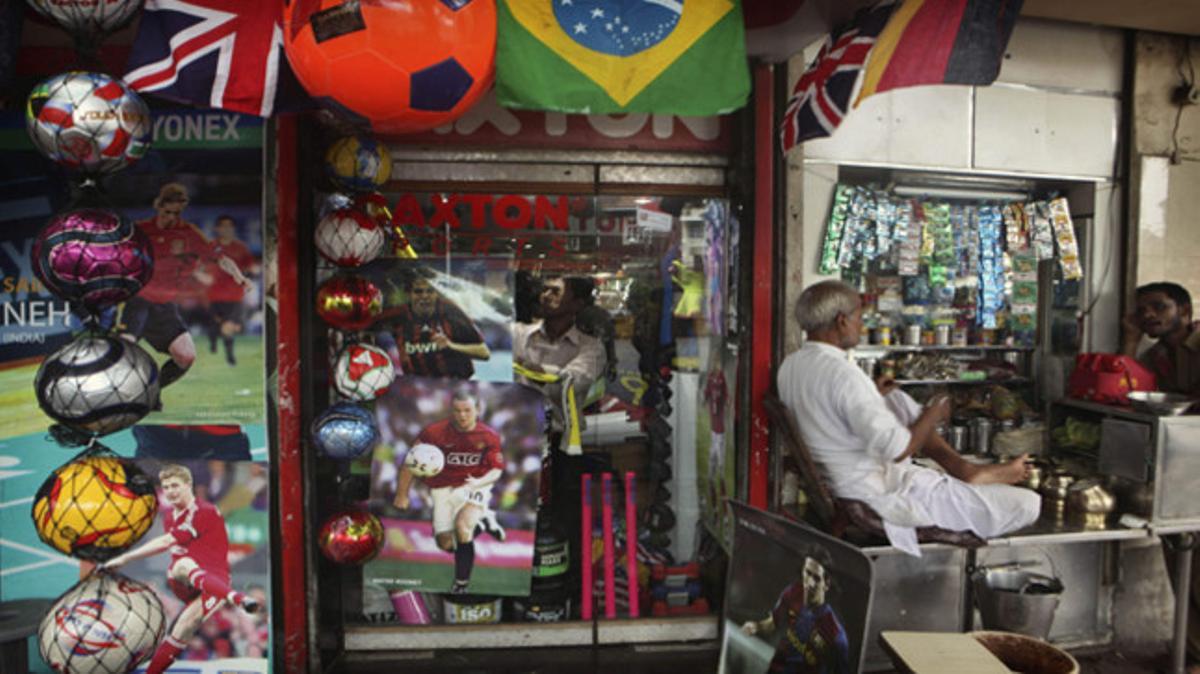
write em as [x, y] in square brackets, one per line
[1010, 472]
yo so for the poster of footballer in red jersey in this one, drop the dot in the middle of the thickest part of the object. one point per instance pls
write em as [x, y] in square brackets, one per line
[207, 558]
[455, 482]
[797, 600]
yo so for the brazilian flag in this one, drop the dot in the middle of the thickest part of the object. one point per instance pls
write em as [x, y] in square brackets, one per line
[682, 57]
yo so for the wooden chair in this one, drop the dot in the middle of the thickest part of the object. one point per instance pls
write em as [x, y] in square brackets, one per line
[849, 519]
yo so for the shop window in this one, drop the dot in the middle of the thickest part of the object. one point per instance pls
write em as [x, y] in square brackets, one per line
[591, 334]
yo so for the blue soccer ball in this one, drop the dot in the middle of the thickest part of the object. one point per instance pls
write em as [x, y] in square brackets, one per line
[344, 431]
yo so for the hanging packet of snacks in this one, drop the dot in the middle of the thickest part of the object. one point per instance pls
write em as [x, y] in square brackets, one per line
[910, 248]
[1024, 291]
[885, 223]
[936, 216]
[853, 232]
[1064, 236]
[1016, 227]
[834, 229]
[991, 266]
[1040, 229]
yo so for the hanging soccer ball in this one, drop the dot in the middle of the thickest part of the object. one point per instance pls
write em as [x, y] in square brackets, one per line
[424, 460]
[351, 537]
[93, 257]
[85, 18]
[97, 384]
[345, 431]
[358, 163]
[397, 72]
[94, 507]
[88, 121]
[362, 372]
[349, 237]
[106, 623]
[349, 302]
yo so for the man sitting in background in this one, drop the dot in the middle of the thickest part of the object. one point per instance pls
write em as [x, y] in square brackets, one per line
[1164, 313]
[865, 443]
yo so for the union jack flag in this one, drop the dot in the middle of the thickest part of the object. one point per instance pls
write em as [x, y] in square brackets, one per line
[213, 53]
[821, 97]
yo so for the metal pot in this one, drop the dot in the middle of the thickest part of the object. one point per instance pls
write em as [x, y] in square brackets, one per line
[1037, 475]
[1134, 497]
[1089, 496]
[1056, 486]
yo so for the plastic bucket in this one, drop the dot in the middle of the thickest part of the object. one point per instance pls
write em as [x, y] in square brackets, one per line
[1014, 600]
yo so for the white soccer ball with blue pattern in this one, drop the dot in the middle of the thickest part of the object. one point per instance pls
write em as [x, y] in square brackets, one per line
[425, 460]
[89, 122]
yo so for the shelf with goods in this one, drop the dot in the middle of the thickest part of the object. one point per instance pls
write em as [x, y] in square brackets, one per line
[965, 382]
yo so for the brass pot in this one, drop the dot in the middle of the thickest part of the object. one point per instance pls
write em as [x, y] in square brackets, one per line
[1037, 476]
[1056, 486]
[1089, 496]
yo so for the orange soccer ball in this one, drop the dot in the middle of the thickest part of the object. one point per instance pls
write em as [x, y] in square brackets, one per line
[398, 66]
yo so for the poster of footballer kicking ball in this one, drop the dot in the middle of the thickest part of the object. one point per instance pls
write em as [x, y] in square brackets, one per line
[455, 483]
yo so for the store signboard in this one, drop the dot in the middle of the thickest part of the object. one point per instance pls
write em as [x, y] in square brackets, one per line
[488, 124]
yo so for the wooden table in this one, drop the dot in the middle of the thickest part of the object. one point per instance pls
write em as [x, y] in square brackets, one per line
[939, 653]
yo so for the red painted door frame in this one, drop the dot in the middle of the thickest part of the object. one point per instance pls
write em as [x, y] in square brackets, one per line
[762, 331]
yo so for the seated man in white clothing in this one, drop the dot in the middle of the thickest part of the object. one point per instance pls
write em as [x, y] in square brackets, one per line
[864, 436]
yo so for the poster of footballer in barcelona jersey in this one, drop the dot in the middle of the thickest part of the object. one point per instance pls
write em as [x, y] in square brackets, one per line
[455, 483]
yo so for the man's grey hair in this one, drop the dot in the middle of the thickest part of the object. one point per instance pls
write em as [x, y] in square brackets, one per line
[821, 303]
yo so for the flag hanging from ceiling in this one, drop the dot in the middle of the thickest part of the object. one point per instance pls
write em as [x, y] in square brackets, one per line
[940, 42]
[822, 95]
[894, 45]
[616, 56]
[215, 54]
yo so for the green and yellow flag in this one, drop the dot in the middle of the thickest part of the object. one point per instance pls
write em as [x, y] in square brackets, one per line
[683, 57]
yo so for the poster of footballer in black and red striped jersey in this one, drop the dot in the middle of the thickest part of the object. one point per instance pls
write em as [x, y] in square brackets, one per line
[455, 483]
[450, 321]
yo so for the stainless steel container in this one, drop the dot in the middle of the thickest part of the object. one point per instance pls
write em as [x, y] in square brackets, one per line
[981, 435]
[912, 335]
[957, 437]
[941, 335]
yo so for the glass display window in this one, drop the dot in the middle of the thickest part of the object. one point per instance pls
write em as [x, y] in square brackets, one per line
[561, 385]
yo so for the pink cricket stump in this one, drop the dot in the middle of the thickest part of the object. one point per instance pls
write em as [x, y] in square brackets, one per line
[631, 566]
[585, 533]
[410, 608]
[610, 589]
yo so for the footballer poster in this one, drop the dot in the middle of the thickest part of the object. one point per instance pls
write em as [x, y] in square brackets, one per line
[455, 482]
[796, 599]
[450, 320]
[198, 200]
[234, 499]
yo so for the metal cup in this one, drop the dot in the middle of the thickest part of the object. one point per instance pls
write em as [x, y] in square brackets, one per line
[981, 435]
[958, 438]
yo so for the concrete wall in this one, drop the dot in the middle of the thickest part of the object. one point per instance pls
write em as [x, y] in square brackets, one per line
[1165, 240]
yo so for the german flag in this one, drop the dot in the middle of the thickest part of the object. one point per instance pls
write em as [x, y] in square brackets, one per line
[940, 42]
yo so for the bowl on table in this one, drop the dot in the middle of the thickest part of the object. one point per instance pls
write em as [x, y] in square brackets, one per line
[1161, 404]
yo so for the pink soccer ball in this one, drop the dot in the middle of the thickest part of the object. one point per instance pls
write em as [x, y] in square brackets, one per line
[93, 257]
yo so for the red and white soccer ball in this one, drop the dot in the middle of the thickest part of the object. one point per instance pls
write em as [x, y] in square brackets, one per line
[105, 623]
[349, 237]
[88, 121]
[425, 460]
[363, 372]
